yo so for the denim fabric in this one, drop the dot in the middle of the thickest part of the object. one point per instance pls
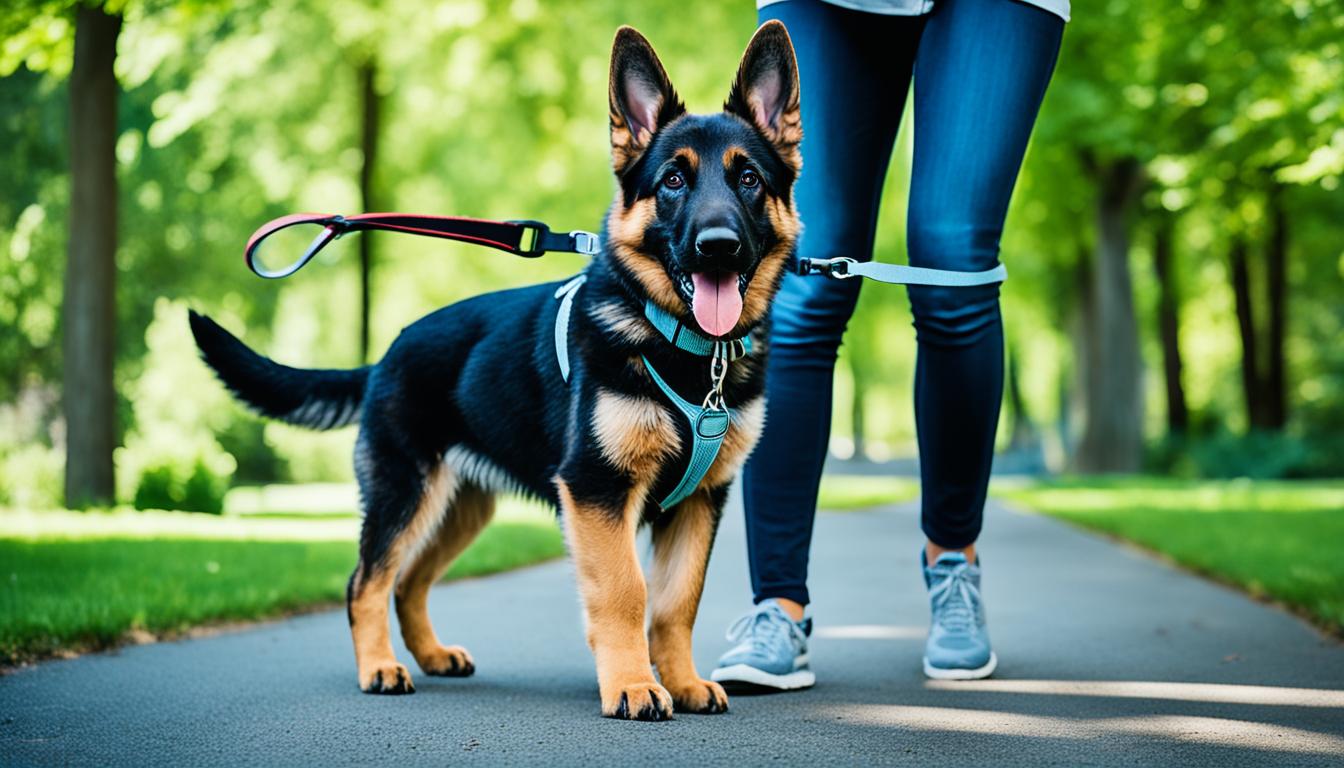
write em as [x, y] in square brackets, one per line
[980, 69]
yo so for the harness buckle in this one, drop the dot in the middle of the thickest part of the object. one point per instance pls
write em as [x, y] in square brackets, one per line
[585, 243]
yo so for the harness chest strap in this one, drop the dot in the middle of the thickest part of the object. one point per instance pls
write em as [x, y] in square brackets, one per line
[708, 428]
[709, 425]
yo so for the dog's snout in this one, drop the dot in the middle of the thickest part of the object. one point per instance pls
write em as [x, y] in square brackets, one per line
[717, 242]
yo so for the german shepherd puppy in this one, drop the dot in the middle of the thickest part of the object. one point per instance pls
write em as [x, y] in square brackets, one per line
[469, 401]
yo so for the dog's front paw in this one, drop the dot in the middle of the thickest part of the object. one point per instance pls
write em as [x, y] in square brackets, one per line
[449, 661]
[388, 678]
[700, 697]
[642, 701]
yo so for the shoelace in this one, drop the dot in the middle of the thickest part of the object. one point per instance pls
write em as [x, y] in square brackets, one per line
[955, 599]
[767, 625]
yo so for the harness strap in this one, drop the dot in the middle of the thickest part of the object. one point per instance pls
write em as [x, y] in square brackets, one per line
[899, 274]
[708, 428]
[566, 296]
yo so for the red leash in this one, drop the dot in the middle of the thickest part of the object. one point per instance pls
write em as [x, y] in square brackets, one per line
[528, 239]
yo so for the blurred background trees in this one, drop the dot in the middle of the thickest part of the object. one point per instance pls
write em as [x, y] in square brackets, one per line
[1176, 242]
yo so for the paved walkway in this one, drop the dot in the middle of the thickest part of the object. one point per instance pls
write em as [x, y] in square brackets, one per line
[1107, 658]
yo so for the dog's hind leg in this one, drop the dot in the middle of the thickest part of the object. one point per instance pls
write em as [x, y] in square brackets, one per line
[681, 548]
[403, 505]
[469, 511]
[602, 541]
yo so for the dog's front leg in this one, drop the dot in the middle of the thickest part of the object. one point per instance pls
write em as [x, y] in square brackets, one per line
[611, 584]
[681, 548]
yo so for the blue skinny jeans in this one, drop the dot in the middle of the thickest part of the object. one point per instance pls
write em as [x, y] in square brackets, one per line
[980, 69]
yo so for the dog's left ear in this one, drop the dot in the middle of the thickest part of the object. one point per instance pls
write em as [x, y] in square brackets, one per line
[765, 92]
[642, 98]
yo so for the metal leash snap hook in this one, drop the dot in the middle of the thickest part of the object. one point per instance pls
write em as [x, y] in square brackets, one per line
[718, 372]
[837, 267]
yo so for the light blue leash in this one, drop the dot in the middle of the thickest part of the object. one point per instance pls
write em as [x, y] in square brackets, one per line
[899, 274]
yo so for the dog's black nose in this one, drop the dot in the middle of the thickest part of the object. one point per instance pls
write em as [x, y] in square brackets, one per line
[717, 241]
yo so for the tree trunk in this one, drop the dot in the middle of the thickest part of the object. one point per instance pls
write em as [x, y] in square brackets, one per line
[1024, 430]
[1250, 358]
[369, 129]
[1073, 382]
[1273, 387]
[89, 304]
[1113, 435]
[1169, 323]
[858, 416]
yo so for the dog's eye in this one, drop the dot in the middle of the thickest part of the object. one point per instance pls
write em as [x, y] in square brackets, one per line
[674, 180]
[749, 179]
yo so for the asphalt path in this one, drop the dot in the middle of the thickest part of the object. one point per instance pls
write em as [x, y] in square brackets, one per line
[1107, 657]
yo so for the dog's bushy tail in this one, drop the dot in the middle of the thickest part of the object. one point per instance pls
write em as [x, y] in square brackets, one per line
[317, 399]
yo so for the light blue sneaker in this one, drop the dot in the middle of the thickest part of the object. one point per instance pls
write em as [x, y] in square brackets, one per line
[771, 652]
[958, 645]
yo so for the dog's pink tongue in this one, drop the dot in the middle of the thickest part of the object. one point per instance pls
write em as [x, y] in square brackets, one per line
[717, 305]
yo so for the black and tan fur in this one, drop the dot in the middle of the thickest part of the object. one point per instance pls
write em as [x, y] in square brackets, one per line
[469, 401]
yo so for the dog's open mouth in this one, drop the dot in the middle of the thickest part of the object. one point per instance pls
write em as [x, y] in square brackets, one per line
[716, 300]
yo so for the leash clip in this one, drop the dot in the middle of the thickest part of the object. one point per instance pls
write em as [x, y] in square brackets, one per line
[837, 267]
[718, 371]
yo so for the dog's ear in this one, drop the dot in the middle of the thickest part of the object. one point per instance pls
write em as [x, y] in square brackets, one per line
[641, 97]
[765, 92]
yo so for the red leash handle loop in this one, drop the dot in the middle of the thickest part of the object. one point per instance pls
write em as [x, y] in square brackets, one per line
[521, 238]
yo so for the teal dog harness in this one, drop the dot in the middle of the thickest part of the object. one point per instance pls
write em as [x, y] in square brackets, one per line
[708, 421]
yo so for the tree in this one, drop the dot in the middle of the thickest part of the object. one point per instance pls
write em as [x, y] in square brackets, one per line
[1169, 321]
[1104, 109]
[88, 308]
[370, 114]
[1113, 436]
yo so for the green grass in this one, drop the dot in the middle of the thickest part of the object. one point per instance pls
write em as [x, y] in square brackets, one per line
[1278, 540]
[80, 581]
[855, 492]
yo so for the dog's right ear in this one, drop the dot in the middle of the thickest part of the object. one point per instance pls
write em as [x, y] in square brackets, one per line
[642, 99]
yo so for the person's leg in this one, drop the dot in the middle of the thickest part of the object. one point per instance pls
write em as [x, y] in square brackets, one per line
[855, 72]
[982, 69]
[980, 75]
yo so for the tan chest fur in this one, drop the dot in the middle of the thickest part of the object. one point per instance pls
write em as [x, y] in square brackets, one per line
[635, 434]
[638, 435]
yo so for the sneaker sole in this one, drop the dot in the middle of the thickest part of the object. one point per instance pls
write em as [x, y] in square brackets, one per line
[940, 673]
[743, 678]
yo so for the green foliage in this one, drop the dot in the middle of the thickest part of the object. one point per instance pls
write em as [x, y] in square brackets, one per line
[32, 467]
[1256, 455]
[194, 488]
[235, 112]
[171, 458]
[31, 477]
